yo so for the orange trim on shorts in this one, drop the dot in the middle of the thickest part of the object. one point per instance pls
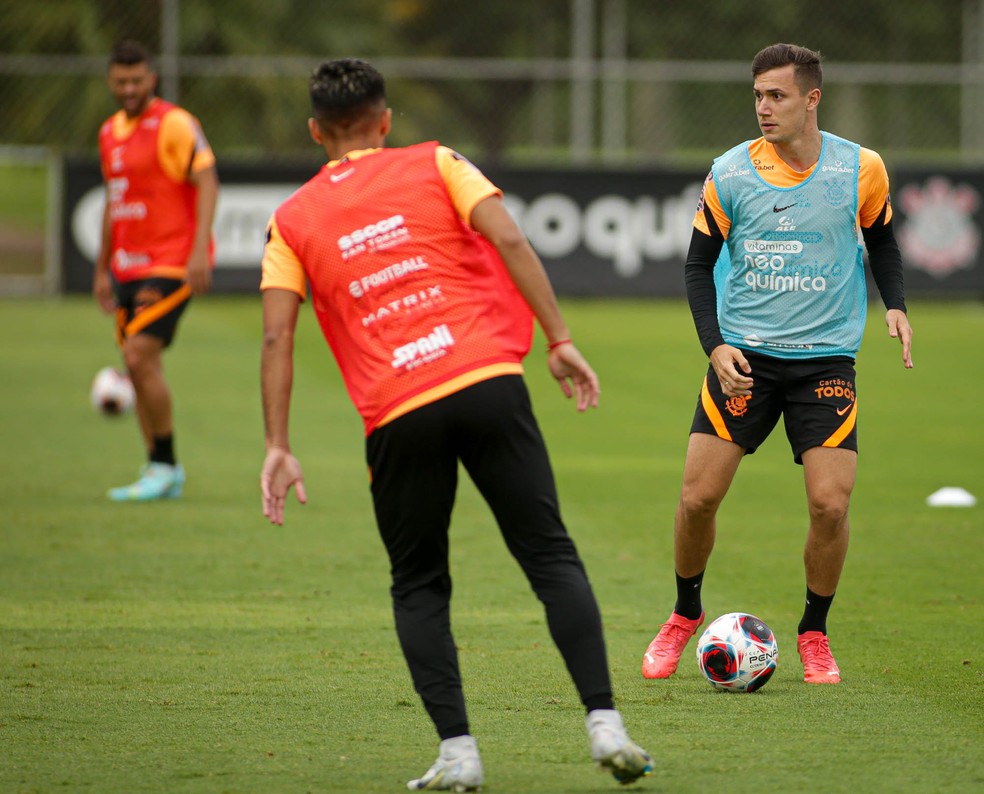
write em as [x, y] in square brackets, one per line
[154, 312]
[120, 325]
[845, 429]
[713, 413]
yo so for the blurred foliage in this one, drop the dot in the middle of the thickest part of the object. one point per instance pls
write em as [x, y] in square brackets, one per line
[243, 66]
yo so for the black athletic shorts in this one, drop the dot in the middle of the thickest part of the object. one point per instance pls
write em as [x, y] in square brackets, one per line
[150, 306]
[816, 397]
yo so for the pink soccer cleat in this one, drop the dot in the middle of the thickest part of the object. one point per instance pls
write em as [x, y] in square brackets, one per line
[819, 666]
[663, 653]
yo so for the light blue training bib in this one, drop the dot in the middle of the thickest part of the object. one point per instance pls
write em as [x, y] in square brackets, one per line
[790, 279]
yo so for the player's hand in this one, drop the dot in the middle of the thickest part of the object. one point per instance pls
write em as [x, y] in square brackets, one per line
[280, 471]
[198, 273]
[575, 376]
[899, 328]
[733, 371]
[102, 291]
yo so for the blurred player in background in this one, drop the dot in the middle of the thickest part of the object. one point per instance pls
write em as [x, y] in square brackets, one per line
[423, 285]
[156, 251]
[781, 319]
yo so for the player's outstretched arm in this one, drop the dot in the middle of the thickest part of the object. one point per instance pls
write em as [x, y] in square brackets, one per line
[491, 219]
[102, 286]
[899, 328]
[199, 270]
[280, 468]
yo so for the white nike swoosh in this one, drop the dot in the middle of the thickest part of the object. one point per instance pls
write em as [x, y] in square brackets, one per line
[341, 176]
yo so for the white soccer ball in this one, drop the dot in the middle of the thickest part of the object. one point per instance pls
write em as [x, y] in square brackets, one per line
[112, 392]
[737, 653]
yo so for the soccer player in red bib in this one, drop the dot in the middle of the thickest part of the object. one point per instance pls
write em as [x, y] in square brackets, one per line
[156, 252]
[425, 290]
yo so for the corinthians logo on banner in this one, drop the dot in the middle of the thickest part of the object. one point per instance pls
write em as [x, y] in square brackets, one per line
[939, 235]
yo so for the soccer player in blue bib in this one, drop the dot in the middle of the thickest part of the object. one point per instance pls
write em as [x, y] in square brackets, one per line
[776, 284]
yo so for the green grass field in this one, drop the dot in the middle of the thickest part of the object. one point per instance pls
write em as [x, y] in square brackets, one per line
[190, 646]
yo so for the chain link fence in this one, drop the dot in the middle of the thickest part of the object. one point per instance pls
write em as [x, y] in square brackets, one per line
[554, 80]
[613, 83]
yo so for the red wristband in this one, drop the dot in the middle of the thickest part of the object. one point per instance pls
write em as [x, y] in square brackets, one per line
[554, 345]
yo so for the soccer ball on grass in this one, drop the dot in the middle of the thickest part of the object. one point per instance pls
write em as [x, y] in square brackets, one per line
[737, 653]
[112, 392]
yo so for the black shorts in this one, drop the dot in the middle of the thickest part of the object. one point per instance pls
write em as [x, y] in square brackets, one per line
[817, 399]
[150, 306]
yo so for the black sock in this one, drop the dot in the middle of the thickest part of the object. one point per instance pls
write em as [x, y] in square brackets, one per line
[815, 613]
[163, 451]
[688, 596]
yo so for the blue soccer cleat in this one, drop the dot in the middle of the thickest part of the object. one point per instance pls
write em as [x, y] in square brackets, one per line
[157, 481]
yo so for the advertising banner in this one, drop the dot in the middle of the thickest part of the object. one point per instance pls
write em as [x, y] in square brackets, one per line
[599, 232]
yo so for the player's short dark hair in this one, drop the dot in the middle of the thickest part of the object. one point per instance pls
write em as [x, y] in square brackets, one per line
[129, 52]
[806, 64]
[345, 91]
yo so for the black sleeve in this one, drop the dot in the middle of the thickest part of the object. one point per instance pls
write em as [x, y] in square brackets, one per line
[701, 294]
[885, 261]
